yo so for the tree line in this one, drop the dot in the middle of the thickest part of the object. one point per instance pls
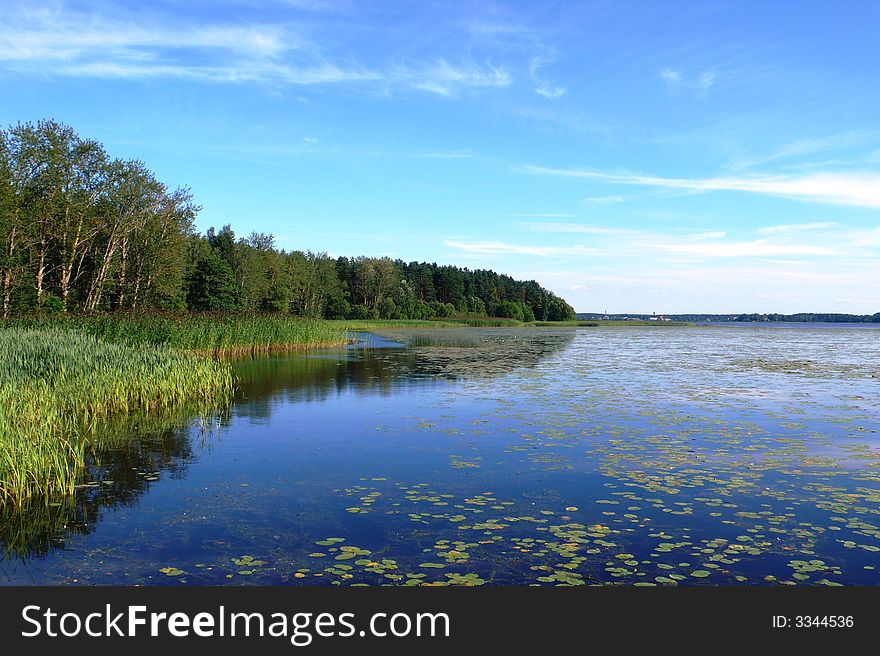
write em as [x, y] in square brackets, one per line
[83, 232]
[800, 317]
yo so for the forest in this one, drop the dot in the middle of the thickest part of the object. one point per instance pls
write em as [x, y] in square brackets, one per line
[82, 232]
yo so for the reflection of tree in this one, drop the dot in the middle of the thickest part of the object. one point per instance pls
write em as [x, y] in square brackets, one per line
[129, 453]
[119, 470]
[433, 355]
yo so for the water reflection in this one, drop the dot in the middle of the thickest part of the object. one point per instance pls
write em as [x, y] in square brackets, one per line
[384, 364]
[129, 456]
[132, 453]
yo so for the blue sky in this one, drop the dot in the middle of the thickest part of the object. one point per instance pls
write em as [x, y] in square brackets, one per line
[630, 156]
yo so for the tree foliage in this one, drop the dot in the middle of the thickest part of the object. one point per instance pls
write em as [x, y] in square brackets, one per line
[80, 231]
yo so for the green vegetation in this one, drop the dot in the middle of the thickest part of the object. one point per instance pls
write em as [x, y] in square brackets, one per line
[105, 285]
[369, 325]
[58, 384]
[217, 334]
[83, 233]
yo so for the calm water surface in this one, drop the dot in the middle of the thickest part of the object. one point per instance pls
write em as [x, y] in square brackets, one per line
[627, 456]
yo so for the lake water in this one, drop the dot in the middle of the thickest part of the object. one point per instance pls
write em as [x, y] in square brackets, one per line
[656, 455]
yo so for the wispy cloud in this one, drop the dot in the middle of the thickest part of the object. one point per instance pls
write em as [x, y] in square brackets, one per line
[603, 200]
[544, 215]
[450, 154]
[576, 228]
[862, 189]
[549, 91]
[446, 79]
[544, 88]
[706, 80]
[503, 248]
[676, 80]
[47, 37]
[671, 77]
[796, 227]
[713, 234]
[92, 45]
[149, 45]
[804, 147]
[640, 243]
[745, 249]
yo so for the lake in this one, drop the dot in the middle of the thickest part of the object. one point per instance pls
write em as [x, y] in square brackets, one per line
[646, 456]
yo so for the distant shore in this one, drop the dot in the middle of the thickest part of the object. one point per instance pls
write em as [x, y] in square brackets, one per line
[801, 317]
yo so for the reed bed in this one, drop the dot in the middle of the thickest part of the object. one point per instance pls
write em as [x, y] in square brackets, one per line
[58, 384]
[368, 325]
[444, 338]
[214, 334]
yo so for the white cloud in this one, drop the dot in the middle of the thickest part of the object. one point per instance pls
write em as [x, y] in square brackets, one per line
[127, 46]
[795, 227]
[862, 189]
[502, 248]
[544, 88]
[80, 45]
[811, 146]
[603, 200]
[544, 215]
[577, 228]
[676, 80]
[48, 37]
[671, 77]
[445, 79]
[746, 249]
[452, 154]
[549, 91]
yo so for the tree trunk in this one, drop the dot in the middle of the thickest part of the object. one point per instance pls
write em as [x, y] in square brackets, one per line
[97, 289]
[137, 286]
[7, 274]
[7, 292]
[123, 253]
[41, 271]
[67, 267]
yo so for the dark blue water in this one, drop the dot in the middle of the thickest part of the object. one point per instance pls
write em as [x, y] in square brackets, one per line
[592, 456]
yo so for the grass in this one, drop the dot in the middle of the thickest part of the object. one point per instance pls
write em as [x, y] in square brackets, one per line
[366, 325]
[215, 334]
[445, 337]
[62, 378]
[57, 385]
[492, 322]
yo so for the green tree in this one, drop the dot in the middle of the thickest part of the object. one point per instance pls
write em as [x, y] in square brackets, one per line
[211, 283]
